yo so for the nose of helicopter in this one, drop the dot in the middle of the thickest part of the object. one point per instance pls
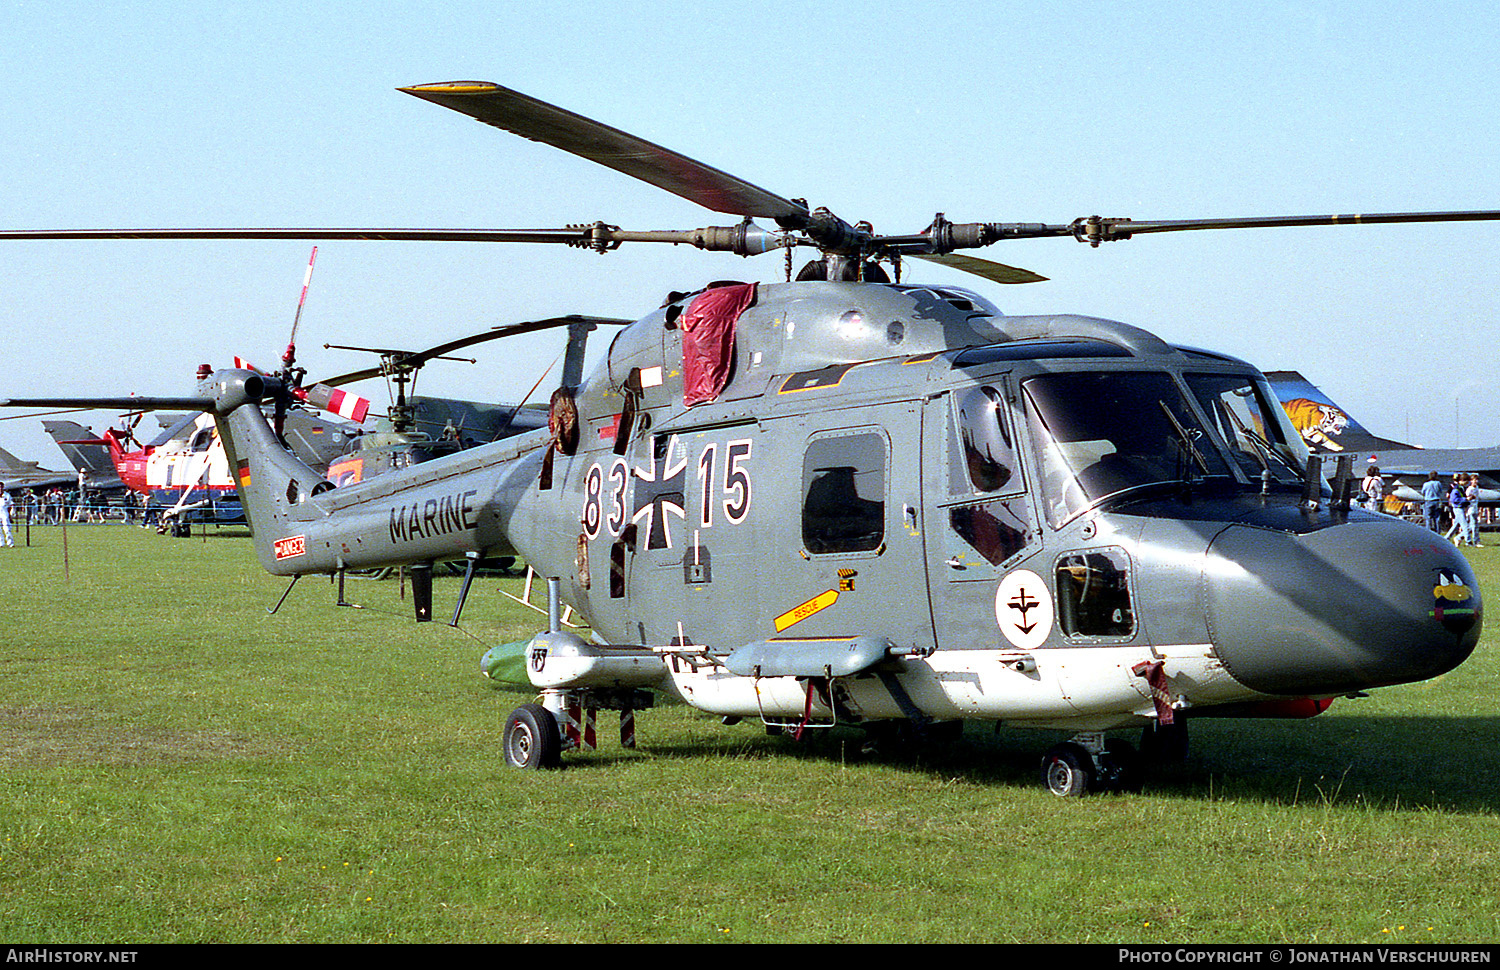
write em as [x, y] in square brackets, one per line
[1367, 603]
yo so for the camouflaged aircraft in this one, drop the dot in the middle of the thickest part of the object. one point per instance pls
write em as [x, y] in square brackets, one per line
[848, 500]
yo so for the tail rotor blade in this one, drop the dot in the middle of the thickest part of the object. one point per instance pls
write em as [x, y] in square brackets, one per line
[342, 403]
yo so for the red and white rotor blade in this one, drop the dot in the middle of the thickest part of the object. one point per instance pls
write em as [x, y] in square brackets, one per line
[342, 403]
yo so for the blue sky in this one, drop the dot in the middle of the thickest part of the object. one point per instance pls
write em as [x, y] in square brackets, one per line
[272, 114]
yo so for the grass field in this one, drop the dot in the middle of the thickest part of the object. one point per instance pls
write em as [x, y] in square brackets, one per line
[178, 765]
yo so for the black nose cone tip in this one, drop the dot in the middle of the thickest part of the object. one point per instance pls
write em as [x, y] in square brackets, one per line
[1351, 607]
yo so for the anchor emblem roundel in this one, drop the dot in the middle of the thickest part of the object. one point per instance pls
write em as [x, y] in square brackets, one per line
[1023, 608]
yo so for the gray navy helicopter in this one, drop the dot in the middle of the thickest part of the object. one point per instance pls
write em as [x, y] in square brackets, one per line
[850, 500]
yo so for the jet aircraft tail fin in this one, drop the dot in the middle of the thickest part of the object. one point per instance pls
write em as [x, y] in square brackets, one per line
[10, 463]
[85, 451]
[1324, 426]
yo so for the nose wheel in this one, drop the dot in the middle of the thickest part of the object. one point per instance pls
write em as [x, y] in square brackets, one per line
[536, 735]
[532, 739]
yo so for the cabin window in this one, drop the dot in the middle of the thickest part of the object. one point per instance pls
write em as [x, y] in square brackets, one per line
[985, 446]
[843, 493]
[1093, 594]
[617, 550]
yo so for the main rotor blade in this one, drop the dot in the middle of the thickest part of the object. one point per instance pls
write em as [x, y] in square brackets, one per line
[988, 269]
[745, 239]
[682, 176]
[1095, 230]
[571, 237]
[194, 404]
[418, 358]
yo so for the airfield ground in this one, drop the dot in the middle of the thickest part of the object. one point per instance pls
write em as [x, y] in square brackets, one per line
[180, 766]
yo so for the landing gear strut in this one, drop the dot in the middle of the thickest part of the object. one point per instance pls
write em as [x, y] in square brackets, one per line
[1088, 763]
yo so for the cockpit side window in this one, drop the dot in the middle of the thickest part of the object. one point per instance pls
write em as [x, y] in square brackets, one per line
[1093, 594]
[984, 443]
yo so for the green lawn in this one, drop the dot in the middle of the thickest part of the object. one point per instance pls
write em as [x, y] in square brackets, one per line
[178, 765]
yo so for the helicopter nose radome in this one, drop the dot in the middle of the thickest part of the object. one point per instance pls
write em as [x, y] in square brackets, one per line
[1362, 604]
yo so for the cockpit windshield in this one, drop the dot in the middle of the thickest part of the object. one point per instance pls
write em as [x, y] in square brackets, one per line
[1245, 413]
[1103, 434]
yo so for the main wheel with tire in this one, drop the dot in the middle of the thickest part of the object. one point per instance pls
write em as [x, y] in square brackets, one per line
[1068, 771]
[531, 738]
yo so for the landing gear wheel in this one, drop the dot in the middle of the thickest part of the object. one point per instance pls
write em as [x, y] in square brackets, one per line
[531, 738]
[1068, 771]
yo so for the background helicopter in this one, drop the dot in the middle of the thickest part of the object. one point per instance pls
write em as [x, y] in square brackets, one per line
[418, 429]
[182, 471]
[851, 500]
[181, 476]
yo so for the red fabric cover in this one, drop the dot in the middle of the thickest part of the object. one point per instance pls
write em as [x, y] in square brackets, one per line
[708, 340]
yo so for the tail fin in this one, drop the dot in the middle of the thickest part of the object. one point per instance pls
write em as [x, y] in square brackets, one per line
[1326, 427]
[13, 467]
[85, 451]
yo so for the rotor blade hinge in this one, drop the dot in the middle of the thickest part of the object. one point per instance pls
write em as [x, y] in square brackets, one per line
[598, 236]
[834, 236]
[745, 239]
[1095, 230]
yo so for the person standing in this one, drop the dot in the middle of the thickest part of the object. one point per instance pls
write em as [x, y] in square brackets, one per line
[1374, 489]
[5, 506]
[1458, 529]
[1432, 501]
[1471, 511]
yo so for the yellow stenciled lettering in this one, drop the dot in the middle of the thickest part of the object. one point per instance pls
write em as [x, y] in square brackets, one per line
[797, 614]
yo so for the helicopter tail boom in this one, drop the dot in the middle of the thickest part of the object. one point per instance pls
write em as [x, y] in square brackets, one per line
[449, 508]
